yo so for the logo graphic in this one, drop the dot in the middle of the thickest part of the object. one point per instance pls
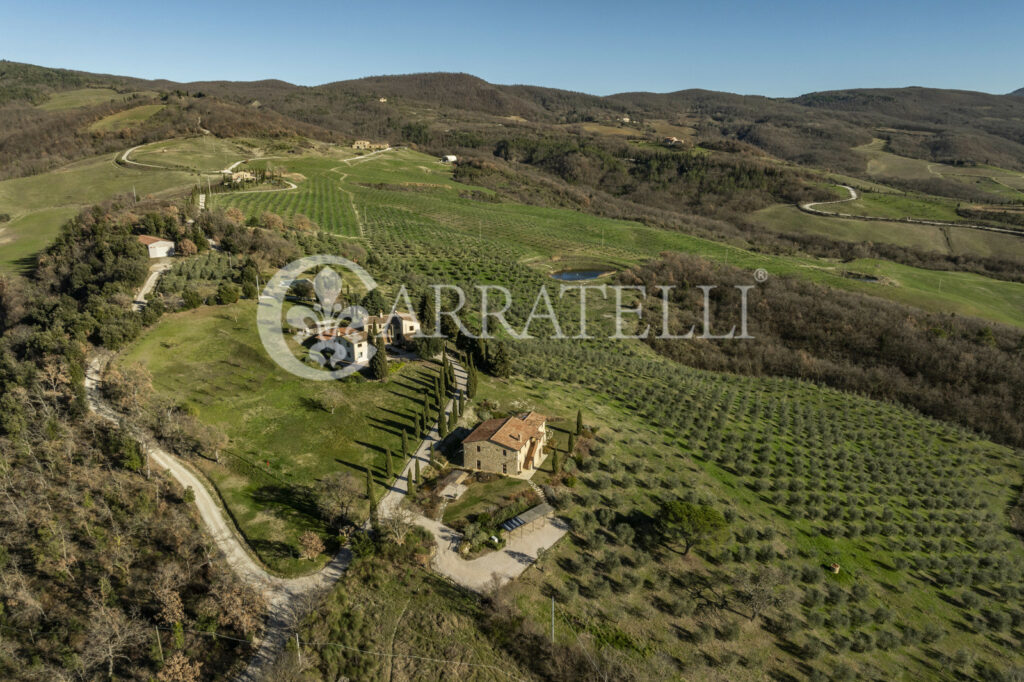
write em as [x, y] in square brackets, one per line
[314, 316]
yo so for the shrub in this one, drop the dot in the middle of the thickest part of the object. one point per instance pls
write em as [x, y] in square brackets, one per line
[729, 631]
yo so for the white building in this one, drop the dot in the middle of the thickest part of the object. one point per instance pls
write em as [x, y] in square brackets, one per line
[355, 342]
[158, 248]
[449, 158]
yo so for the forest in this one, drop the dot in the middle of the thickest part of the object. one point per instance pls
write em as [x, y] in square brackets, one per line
[104, 570]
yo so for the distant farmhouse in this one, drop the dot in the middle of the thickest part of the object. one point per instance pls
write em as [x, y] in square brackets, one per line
[354, 340]
[367, 145]
[449, 158]
[399, 328]
[507, 446]
[672, 142]
[239, 177]
[382, 100]
[157, 247]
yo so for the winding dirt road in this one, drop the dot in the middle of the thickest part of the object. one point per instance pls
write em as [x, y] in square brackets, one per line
[286, 597]
[810, 208]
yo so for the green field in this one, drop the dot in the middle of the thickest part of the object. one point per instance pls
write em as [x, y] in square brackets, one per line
[788, 219]
[899, 206]
[1001, 183]
[203, 153]
[39, 204]
[405, 199]
[281, 439]
[129, 118]
[83, 97]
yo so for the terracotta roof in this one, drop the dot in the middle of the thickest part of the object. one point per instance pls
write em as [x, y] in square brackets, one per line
[382, 319]
[511, 432]
[348, 333]
[485, 430]
[147, 239]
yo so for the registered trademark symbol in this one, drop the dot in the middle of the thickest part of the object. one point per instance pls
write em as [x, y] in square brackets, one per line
[761, 275]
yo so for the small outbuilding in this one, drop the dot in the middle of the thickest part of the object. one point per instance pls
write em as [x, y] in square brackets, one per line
[528, 520]
[449, 158]
[157, 247]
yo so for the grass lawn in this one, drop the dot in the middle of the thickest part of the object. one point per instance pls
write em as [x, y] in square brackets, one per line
[483, 497]
[999, 182]
[40, 204]
[22, 238]
[281, 440]
[787, 219]
[204, 153]
[82, 97]
[126, 119]
[902, 206]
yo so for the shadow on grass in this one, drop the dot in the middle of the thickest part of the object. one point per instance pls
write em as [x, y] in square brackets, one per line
[292, 503]
[273, 549]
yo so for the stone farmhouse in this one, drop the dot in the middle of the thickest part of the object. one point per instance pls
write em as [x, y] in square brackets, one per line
[400, 328]
[508, 446]
[367, 145]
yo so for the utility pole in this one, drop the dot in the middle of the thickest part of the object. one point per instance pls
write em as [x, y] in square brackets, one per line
[552, 620]
[159, 644]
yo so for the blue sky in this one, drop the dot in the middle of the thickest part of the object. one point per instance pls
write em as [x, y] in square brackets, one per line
[781, 48]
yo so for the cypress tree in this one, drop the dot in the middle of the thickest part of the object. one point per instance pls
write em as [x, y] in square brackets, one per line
[579, 422]
[379, 362]
[453, 419]
[556, 464]
[471, 382]
[388, 464]
[442, 424]
[405, 444]
[572, 444]
[410, 483]
[371, 498]
[418, 479]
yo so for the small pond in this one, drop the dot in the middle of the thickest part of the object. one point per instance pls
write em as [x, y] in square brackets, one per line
[577, 275]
